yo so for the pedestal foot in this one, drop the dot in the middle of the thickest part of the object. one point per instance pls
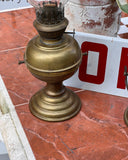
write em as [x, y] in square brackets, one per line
[60, 106]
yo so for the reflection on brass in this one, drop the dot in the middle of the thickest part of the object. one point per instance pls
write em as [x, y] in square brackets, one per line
[53, 56]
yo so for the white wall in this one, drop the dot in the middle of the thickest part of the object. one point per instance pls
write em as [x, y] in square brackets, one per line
[3, 150]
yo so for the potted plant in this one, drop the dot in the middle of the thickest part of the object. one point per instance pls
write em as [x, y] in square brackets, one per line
[123, 4]
[95, 16]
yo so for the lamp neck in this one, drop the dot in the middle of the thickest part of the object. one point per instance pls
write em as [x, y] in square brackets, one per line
[51, 32]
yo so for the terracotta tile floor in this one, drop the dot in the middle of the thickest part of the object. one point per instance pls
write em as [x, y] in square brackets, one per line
[98, 132]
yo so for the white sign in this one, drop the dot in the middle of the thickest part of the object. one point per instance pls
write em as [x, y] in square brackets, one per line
[102, 70]
[7, 5]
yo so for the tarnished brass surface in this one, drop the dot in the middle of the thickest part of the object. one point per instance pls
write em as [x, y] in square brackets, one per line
[53, 62]
[55, 106]
[53, 57]
[126, 116]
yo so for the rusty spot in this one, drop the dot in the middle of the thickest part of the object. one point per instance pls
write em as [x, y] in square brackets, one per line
[113, 8]
[91, 24]
[108, 21]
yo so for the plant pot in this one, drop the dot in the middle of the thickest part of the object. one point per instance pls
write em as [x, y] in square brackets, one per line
[94, 16]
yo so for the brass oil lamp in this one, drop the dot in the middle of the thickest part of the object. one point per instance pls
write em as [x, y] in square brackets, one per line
[126, 85]
[53, 56]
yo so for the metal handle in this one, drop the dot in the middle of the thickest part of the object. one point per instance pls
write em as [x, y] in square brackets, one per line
[85, 53]
[126, 76]
[21, 62]
[71, 33]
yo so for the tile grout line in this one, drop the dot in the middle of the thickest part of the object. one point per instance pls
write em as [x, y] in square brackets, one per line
[22, 104]
[13, 49]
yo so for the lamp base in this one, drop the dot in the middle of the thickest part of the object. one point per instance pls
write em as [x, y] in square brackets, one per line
[126, 116]
[55, 103]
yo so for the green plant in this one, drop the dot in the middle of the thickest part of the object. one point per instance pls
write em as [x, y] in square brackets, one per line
[123, 4]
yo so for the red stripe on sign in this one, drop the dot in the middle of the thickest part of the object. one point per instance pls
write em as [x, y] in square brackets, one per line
[96, 47]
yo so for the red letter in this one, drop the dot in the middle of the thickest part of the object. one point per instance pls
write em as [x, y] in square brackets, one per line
[96, 47]
[123, 63]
